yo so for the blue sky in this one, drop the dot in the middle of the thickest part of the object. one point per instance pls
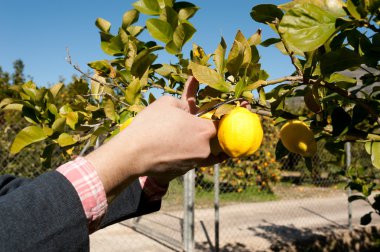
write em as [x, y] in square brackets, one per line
[38, 32]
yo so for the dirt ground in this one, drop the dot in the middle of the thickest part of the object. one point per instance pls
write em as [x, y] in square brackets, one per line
[265, 226]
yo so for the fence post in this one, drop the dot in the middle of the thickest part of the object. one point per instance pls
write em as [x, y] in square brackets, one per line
[349, 192]
[216, 205]
[188, 218]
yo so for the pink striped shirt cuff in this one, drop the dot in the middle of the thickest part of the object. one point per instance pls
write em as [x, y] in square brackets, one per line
[153, 190]
[89, 187]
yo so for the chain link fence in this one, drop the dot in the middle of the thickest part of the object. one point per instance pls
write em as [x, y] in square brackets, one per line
[260, 204]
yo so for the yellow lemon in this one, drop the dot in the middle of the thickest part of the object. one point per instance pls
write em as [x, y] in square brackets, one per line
[297, 137]
[240, 132]
[126, 123]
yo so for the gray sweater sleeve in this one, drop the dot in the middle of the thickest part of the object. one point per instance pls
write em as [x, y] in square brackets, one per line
[46, 214]
[43, 214]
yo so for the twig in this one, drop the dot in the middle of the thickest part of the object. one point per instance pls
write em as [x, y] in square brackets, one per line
[350, 96]
[366, 70]
[167, 89]
[290, 53]
[76, 67]
[262, 112]
[283, 79]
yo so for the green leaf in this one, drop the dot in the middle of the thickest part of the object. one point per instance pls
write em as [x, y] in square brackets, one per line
[187, 13]
[30, 89]
[166, 70]
[262, 96]
[165, 3]
[209, 77]
[112, 46]
[169, 15]
[355, 11]
[255, 39]
[307, 26]
[270, 42]
[366, 219]
[26, 136]
[29, 113]
[341, 120]
[142, 63]
[6, 101]
[160, 30]
[368, 147]
[356, 197]
[311, 99]
[239, 88]
[235, 58]
[133, 92]
[109, 109]
[247, 48]
[14, 106]
[54, 90]
[130, 17]
[96, 88]
[103, 25]
[147, 7]
[266, 13]
[339, 60]
[219, 56]
[375, 154]
[255, 85]
[71, 119]
[134, 31]
[103, 67]
[185, 10]
[59, 124]
[172, 48]
[338, 77]
[359, 114]
[335, 7]
[182, 34]
[65, 139]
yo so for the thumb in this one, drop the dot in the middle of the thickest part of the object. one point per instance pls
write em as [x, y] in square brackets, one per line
[189, 93]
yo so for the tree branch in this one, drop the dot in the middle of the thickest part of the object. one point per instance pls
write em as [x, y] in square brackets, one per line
[290, 53]
[350, 96]
[262, 112]
[283, 79]
[76, 67]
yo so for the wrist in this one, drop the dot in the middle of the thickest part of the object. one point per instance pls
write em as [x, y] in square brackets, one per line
[115, 166]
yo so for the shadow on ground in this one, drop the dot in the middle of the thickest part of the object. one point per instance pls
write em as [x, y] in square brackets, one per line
[329, 238]
[229, 247]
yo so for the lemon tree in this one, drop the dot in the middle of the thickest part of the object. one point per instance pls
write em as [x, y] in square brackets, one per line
[325, 40]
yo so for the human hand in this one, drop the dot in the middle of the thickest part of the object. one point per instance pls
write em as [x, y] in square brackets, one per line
[163, 141]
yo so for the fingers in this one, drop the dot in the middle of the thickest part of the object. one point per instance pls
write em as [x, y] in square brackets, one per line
[189, 93]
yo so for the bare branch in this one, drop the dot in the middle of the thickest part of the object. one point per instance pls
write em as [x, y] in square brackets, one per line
[262, 112]
[283, 79]
[290, 53]
[76, 67]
